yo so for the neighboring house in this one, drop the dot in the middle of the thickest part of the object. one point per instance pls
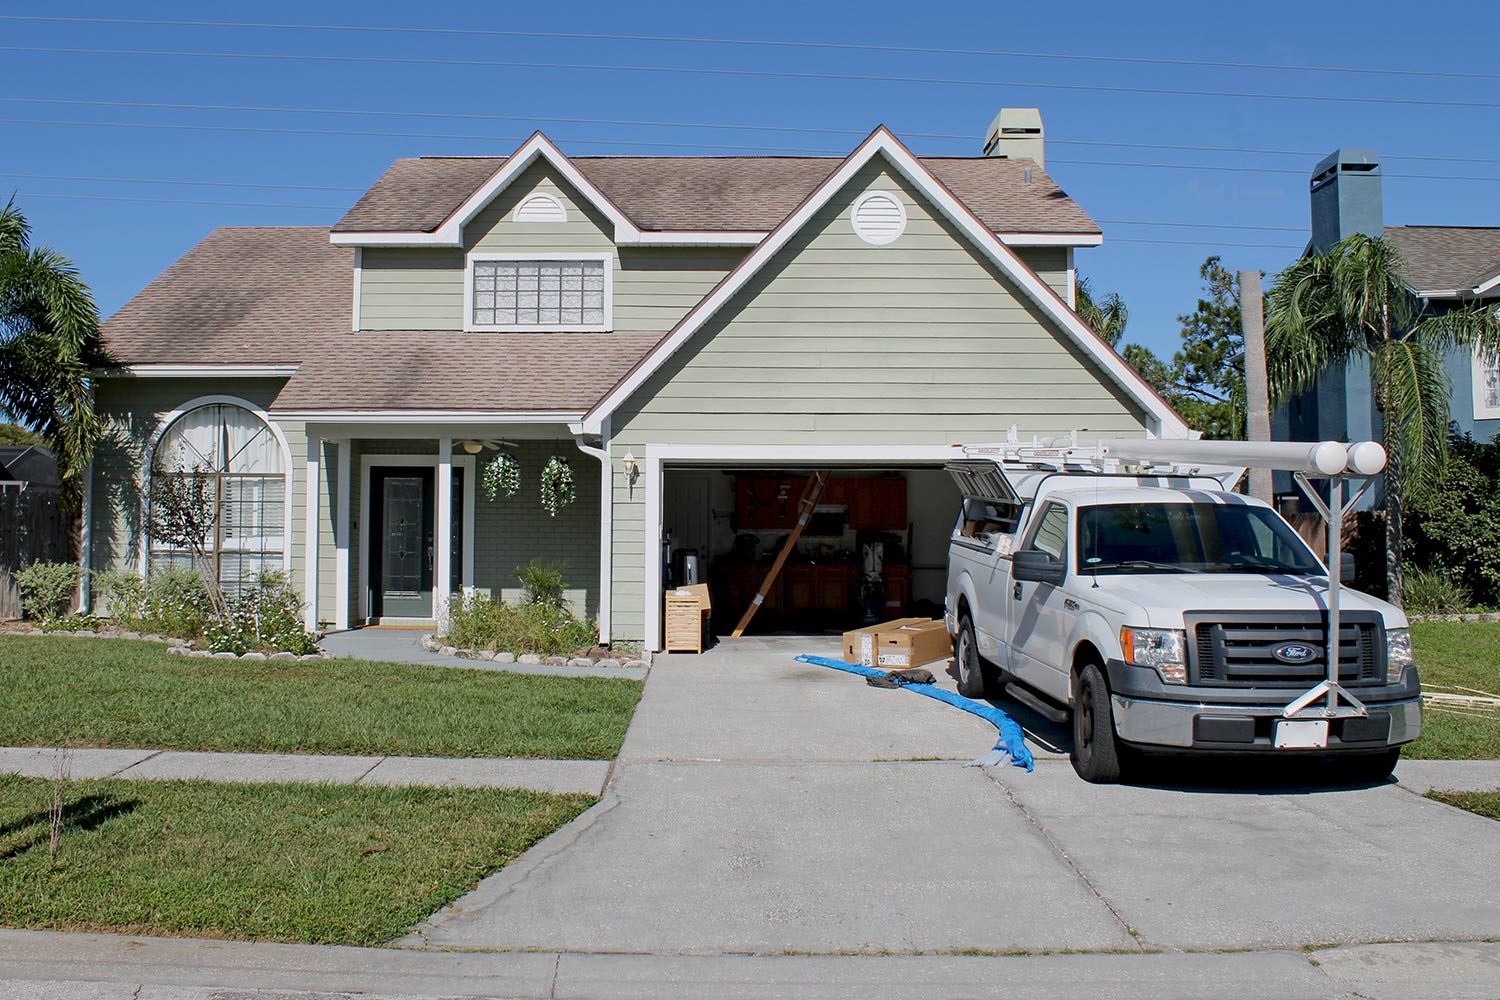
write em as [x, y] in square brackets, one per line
[707, 318]
[1446, 265]
[29, 466]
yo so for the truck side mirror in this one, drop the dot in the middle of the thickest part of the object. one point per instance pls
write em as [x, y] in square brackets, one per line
[1034, 566]
[1346, 567]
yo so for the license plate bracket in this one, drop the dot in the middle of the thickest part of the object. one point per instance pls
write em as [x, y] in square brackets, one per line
[1301, 734]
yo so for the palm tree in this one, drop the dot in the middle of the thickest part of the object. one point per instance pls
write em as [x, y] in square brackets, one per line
[49, 347]
[1351, 304]
[1106, 317]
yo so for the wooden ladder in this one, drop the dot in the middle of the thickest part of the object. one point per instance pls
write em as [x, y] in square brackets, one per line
[811, 493]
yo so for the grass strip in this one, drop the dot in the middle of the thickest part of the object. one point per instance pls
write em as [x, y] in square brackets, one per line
[121, 693]
[1484, 803]
[1457, 654]
[320, 864]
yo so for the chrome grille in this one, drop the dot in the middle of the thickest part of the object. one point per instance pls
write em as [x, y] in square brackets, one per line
[1236, 649]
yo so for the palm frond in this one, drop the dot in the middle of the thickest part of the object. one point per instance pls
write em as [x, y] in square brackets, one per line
[15, 231]
[1412, 381]
[1473, 328]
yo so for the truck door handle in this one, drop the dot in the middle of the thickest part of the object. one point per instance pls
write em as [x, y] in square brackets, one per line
[1016, 591]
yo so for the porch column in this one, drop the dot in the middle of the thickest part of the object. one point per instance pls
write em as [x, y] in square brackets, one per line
[312, 519]
[442, 563]
[341, 539]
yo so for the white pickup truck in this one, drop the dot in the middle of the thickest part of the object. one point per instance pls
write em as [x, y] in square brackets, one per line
[1165, 615]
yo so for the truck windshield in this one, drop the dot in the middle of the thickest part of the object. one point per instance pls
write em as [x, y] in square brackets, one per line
[1189, 538]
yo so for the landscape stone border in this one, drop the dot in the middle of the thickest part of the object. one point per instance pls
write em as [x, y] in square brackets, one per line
[1488, 616]
[433, 644]
[179, 647]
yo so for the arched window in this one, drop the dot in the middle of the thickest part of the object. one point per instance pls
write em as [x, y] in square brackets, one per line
[245, 462]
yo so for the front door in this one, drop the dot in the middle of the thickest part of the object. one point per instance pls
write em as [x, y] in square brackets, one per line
[401, 542]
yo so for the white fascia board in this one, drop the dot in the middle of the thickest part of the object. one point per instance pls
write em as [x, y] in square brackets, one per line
[1051, 239]
[221, 371]
[883, 142]
[382, 239]
[431, 416]
[1487, 286]
[749, 454]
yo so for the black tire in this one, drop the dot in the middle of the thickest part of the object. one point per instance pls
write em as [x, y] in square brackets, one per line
[1096, 753]
[1366, 768]
[976, 678]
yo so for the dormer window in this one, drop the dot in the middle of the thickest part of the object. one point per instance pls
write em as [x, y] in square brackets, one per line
[507, 293]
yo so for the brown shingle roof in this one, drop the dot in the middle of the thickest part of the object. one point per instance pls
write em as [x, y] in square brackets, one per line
[705, 193]
[1448, 258]
[266, 295]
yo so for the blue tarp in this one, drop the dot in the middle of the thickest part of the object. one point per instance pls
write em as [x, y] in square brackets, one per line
[1012, 743]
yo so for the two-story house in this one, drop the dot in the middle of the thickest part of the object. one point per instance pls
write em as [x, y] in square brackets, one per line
[670, 327]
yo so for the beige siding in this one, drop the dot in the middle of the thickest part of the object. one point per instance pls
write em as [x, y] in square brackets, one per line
[423, 288]
[1050, 264]
[839, 342]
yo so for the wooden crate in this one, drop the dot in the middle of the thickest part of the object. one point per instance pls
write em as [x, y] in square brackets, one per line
[687, 618]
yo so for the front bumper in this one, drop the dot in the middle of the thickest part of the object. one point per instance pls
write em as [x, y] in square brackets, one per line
[1249, 728]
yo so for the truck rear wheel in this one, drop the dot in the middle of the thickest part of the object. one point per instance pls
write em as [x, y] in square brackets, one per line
[1096, 750]
[976, 678]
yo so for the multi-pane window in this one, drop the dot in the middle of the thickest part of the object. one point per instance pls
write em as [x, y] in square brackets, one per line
[1489, 385]
[547, 294]
[243, 460]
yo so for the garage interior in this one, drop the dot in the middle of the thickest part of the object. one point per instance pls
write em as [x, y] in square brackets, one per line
[875, 547]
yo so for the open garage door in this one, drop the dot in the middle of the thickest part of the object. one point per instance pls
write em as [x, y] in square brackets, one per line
[875, 546]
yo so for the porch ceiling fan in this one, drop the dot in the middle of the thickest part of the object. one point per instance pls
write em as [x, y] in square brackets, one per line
[475, 445]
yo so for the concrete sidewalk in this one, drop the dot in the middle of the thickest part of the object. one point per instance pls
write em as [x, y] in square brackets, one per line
[558, 776]
[41, 965]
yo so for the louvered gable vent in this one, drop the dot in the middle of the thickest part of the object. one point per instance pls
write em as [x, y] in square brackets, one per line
[540, 207]
[879, 218]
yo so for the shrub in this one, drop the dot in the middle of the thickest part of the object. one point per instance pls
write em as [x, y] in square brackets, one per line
[47, 588]
[174, 603]
[1431, 592]
[1455, 526]
[542, 582]
[266, 618]
[548, 630]
[123, 592]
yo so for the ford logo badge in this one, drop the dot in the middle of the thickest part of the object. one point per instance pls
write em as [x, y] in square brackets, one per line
[1295, 652]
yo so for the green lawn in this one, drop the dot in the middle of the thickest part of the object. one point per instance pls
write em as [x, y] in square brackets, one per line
[118, 693]
[1483, 803]
[314, 863]
[1458, 654]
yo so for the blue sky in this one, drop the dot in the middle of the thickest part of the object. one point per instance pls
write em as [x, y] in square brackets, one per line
[122, 245]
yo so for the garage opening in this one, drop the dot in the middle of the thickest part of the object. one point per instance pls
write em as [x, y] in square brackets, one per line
[875, 547]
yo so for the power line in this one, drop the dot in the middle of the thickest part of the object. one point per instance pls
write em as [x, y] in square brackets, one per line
[778, 43]
[757, 73]
[1208, 243]
[1200, 225]
[163, 180]
[180, 201]
[631, 123]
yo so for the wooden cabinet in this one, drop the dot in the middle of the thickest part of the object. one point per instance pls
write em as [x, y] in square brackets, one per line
[897, 590]
[766, 501]
[832, 587]
[878, 504]
[801, 587]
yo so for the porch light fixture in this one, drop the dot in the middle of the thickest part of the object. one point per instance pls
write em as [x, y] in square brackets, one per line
[630, 468]
[473, 447]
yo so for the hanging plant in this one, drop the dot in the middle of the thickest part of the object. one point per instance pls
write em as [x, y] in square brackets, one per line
[557, 485]
[502, 476]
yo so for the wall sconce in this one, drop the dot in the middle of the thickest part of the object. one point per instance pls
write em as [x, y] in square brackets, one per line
[632, 471]
[473, 447]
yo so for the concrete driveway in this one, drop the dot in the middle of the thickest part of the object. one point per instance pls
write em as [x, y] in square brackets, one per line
[762, 806]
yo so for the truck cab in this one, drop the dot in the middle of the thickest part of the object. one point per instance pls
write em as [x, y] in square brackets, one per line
[1166, 615]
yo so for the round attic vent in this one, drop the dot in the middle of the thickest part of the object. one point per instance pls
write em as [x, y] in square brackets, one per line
[541, 207]
[879, 218]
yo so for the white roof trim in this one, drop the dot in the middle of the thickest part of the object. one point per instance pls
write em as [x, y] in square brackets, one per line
[1051, 239]
[220, 371]
[432, 416]
[1163, 421]
[1487, 285]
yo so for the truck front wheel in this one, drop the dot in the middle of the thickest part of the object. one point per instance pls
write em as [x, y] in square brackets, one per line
[1096, 750]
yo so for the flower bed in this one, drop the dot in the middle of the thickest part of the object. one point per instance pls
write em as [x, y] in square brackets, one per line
[81, 627]
[435, 643]
[541, 631]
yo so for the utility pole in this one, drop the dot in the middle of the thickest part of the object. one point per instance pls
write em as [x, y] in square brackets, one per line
[1257, 399]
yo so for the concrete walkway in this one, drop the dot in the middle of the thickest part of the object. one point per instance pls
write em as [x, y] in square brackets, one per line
[558, 776]
[401, 645]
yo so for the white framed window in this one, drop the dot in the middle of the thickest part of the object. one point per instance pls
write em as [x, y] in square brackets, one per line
[244, 460]
[516, 293]
[1486, 389]
[540, 207]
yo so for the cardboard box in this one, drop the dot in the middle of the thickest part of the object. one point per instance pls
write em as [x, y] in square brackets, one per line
[687, 611]
[860, 644]
[912, 643]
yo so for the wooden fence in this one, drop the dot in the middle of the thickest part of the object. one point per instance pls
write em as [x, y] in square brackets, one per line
[32, 529]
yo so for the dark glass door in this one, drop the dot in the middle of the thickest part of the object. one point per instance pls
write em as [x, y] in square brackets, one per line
[401, 542]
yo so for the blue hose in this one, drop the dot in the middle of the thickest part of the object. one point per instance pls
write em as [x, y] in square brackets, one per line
[1012, 743]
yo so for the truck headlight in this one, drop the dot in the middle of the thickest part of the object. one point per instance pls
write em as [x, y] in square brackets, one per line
[1162, 649]
[1398, 653]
